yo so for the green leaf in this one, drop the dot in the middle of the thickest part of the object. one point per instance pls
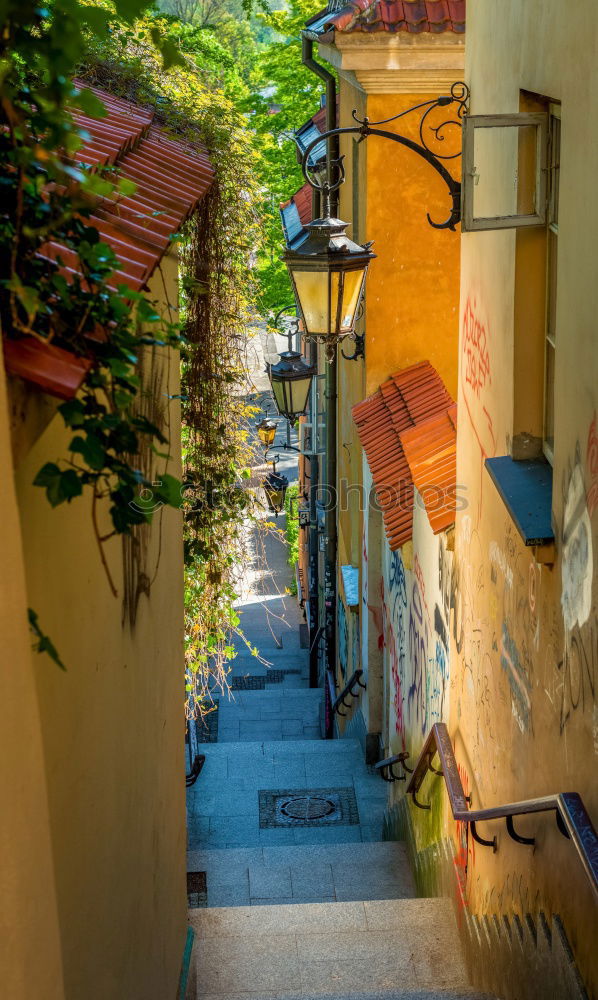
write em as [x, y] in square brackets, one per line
[126, 187]
[60, 486]
[43, 643]
[91, 104]
[168, 49]
[92, 450]
[169, 490]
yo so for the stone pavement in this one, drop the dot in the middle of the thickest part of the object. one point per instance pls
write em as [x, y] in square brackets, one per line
[302, 897]
[379, 950]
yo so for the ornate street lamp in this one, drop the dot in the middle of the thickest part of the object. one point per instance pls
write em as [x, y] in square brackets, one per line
[327, 271]
[275, 488]
[266, 431]
[291, 380]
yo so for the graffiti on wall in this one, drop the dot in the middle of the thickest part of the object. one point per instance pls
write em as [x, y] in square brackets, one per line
[577, 671]
[476, 364]
[577, 561]
[592, 467]
[518, 678]
[343, 635]
[476, 358]
[395, 611]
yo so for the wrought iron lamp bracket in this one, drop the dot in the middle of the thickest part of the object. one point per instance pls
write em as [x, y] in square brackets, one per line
[359, 349]
[458, 98]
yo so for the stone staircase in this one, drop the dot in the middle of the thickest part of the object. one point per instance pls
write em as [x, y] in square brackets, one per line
[372, 950]
[308, 907]
[301, 898]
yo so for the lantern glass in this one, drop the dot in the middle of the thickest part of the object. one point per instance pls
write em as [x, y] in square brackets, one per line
[329, 299]
[266, 431]
[275, 488]
[291, 382]
[328, 273]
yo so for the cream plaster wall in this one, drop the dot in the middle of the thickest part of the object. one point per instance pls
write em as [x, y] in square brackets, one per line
[524, 716]
[112, 736]
[30, 954]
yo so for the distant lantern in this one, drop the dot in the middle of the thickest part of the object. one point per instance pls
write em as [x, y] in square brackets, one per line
[328, 272]
[291, 380]
[266, 431]
[275, 488]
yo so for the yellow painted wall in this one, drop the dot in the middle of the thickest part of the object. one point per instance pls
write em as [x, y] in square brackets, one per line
[30, 956]
[112, 734]
[523, 703]
[413, 286]
[411, 305]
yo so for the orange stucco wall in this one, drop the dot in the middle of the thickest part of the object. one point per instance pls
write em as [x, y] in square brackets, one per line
[413, 289]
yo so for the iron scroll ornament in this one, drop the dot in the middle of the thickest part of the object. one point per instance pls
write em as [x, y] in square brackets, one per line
[459, 97]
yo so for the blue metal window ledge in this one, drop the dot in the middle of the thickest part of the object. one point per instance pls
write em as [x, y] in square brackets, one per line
[526, 491]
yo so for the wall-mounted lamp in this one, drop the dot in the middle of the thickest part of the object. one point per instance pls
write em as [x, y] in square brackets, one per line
[291, 380]
[275, 488]
[327, 269]
[266, 431]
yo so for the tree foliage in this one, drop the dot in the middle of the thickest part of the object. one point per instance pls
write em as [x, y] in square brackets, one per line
[285, 94]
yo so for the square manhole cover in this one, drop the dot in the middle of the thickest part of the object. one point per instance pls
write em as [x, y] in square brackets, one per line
[197, 890]
[308, 807]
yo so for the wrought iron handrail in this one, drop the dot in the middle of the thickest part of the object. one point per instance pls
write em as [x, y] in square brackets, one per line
[198, 763]
[388, 765]
[348, 690]
[572, 817]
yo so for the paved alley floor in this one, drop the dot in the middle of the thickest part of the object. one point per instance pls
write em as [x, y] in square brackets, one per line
[293, 893]
[270, 781]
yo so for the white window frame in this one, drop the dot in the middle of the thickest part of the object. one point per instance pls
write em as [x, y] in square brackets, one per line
[552, 225]
[469, 222]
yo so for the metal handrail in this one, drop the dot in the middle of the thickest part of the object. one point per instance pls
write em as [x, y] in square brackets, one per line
[388, 765]
[572, 817]
[198, 763]
[348, 690]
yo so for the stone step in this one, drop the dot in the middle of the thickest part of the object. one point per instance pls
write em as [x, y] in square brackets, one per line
[387, 950]
[277, 713]
[299, 874]
[231, 803]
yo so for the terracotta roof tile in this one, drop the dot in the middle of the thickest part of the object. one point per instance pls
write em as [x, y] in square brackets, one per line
[170, 176]
[431, 451]
[413, 16]
[408, 399]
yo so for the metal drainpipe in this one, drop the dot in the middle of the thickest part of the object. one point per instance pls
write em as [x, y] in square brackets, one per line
[330, 390]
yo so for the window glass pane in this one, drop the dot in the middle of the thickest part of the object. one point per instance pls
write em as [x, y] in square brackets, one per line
[505, 163]
[551, 290]
[554, 168]
[352, 289]
[549, 400]
[312, 292]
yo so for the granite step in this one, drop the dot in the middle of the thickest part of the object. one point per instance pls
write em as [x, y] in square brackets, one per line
[401, 949]
[269, 876]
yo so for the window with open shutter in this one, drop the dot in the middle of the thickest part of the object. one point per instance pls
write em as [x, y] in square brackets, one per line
[504, 171]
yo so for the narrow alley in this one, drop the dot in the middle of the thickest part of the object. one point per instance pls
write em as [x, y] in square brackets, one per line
[293, 892]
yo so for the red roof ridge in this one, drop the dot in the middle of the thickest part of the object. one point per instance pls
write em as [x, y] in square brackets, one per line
[413, 16]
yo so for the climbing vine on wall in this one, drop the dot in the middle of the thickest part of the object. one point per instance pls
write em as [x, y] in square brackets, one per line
[217, 296]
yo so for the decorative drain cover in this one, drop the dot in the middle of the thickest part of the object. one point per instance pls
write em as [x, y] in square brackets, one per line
[307, 807]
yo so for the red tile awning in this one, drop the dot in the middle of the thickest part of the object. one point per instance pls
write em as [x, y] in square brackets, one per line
[413, 16]
[408, 399]
[171, 177]
[431, 452]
